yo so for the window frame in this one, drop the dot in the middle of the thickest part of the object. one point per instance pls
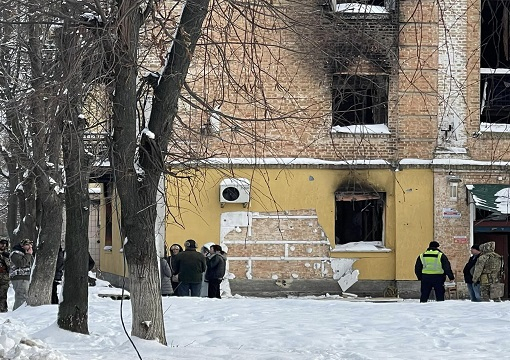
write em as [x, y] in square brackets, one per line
[494, 105]
[359, 99]
[493, 49]
[361, 200]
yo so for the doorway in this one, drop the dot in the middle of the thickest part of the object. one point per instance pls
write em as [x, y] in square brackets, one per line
[501, 240]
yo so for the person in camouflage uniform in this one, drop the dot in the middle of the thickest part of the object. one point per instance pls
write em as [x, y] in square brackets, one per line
[487, 269]
[5, 263]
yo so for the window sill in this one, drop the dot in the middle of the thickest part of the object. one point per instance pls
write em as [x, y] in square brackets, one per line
[379, 130]
[365, 247]
[495, 128]
[490, 131]
[383, 250]
[360, 10]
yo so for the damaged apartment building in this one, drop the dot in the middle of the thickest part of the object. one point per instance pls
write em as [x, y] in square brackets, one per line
[336, 139]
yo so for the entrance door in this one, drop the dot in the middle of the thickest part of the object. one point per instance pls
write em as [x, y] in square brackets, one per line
[501, 240]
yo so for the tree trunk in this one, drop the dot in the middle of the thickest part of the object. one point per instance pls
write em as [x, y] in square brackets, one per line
[73, 310]
[45, 136]
[46, 253]
[137, 195]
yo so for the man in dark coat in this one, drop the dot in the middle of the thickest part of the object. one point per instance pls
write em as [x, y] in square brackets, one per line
[216, 263]
[92, 263]
[189, 267]
[4, 273]
[469, 269]
[431, 269]
[59, 272]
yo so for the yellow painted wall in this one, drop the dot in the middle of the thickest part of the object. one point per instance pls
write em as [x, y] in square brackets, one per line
[111, 261]
[414, 219]
[408, 223]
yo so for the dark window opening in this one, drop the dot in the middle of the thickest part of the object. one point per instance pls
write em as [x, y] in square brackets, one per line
[495, 39]
[495, 98]
[360, 99]
[108, 191]
[359, 218]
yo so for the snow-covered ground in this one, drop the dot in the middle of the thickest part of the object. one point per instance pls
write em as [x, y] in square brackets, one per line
[277, 329]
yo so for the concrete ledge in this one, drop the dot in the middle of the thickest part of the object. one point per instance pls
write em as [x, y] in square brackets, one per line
[115, 280]
[363, 288]
[284, 287]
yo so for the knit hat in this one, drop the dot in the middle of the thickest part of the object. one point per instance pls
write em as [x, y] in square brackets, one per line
[434, 244]
[4, 240]
[26, 242]
[476, 247]
[190, 244]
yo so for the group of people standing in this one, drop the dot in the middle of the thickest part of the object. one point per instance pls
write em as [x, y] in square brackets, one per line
[15, 267]
[482, 272]
[184, 271]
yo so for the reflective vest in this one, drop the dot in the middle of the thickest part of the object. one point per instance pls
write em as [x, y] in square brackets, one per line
[431, 260]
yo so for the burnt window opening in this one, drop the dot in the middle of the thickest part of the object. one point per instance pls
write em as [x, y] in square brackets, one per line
[495, 39]
[359, 99]
[495, 98]
[359, 218]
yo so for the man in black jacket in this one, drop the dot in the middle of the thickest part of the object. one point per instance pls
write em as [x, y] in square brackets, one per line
[59, 272]
[189, 267]
[431, 269]
[216, 263]
[474, 289]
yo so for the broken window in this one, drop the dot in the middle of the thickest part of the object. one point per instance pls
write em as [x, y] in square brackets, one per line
[359, 217]
[359, 99]
[495, 39]
[495, 98]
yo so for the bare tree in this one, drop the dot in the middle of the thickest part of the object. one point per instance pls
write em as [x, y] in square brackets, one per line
[33, 151]
[73, 50]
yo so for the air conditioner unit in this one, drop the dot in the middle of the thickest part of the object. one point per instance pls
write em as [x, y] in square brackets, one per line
[235, 191]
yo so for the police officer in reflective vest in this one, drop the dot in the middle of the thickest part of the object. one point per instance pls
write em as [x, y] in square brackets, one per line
[431, 269]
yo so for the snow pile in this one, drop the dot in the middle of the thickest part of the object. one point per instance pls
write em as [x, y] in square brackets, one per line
[311, 328]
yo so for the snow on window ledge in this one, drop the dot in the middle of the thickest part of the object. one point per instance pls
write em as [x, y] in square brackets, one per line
[107, 248]
[361, 246]
[360, 8]
[362, 129]
[490, 127]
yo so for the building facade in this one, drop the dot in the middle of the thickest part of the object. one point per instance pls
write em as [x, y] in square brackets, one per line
[325, 145]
